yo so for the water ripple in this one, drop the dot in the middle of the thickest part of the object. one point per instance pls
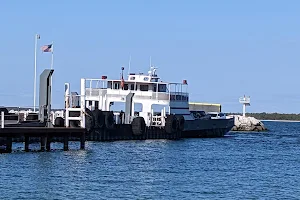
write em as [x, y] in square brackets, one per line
[238, 166]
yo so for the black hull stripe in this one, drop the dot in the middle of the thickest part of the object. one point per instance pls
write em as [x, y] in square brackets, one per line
[179, 108]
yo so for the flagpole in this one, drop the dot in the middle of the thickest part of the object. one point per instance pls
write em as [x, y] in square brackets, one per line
[51, 68]
[37, 36]
[52, 56]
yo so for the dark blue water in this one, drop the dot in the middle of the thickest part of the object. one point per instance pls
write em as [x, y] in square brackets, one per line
[239, 166]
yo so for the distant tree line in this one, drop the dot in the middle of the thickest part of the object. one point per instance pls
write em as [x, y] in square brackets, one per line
[271, 116]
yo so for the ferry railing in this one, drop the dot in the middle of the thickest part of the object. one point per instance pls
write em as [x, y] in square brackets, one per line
[96, 83]
[75, 106]
[151, 95]
[72, 101]
[178, 91]
[94, 92]
[179, 96]
[78, 108]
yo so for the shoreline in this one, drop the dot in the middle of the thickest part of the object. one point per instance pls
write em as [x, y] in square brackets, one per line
[277, 120]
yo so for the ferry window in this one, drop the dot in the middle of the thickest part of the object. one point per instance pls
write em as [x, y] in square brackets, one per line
[132, 78]
[162, 88]
[116, 86]
[132, 87]
[125, 86]
[109, 85]
[146, 79]
[144, 87]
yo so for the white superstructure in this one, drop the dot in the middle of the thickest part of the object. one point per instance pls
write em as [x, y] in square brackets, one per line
[145, 89]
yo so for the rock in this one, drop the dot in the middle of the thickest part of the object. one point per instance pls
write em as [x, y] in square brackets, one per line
[247, 124]
[234, 128]
[260, 128]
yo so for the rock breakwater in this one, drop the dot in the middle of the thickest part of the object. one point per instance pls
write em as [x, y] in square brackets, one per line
[242, 123]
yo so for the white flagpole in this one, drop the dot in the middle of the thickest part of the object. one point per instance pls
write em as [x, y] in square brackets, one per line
[51, 68]
[37, 36]
[52, 56]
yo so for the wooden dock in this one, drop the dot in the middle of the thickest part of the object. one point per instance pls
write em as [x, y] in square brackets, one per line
[44, 133]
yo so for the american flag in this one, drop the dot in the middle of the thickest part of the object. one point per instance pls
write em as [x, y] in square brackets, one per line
[47, 48]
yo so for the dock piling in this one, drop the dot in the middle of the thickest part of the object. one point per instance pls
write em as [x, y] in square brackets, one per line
[82, 141]
[43, 143]
[48, 142]
[26, 143]
[66, 143]
[9, 144]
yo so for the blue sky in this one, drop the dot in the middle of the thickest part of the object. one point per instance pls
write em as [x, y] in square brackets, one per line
[225, 49]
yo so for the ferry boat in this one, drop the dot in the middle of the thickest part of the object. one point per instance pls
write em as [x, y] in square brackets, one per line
[150, 92]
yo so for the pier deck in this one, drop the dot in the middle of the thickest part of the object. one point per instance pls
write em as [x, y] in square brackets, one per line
[44, 133]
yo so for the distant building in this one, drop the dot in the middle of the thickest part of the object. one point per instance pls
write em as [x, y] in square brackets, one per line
[207, 107]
